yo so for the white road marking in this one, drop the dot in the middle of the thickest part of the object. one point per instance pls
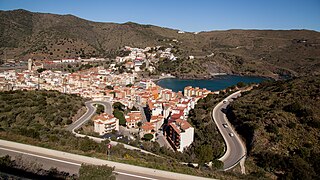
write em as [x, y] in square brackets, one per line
[137, 176]
[44, 157]
[68, 162]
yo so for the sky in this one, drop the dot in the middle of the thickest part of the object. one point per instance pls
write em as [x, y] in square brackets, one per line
[186, 15]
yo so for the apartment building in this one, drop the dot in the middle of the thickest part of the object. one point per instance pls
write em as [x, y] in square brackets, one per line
[105, 123]
[180, 134]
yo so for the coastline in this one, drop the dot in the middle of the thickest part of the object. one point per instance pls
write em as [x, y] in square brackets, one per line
[163, 77]
[214, 83]
[213, 77]
[217, 75]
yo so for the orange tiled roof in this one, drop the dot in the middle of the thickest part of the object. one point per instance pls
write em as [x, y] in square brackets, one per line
[147, 126]
[104, 117]
[134, 116]
[183, 124]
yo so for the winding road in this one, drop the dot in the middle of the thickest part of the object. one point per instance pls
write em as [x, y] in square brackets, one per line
[86, 117]
[90, 112]
[235, 148]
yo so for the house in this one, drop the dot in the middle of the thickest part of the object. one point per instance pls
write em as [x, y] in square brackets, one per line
[157, 121]
[68, 60]
[119, 59]
[145, 84]
[155, 107]
[179, 134]
[57, 61]
[37, 65]
[167, 94]
[129, 65]
[177, 114]
[133, 118]
[137, 65]
[166, 110]
[147, 128]
[105, 123]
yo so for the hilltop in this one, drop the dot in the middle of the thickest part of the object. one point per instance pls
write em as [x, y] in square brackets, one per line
[280, 123]
[271, 53]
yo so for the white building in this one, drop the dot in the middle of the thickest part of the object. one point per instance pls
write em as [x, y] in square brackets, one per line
[155, 107]
[133, 118]
[30, 64]
[180, 134]
[105, 123]
[137, 65]
[68, 60]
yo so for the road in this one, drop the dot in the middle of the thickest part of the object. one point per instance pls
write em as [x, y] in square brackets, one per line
[235, 148]
[144, 118]
[86, 117]
[71, 162]
[90, 112]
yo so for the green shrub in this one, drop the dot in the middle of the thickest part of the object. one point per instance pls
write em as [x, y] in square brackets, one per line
[96, 172]
[148, 137]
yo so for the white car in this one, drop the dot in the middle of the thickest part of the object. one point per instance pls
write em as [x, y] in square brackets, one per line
[225, 125]
[231, 134]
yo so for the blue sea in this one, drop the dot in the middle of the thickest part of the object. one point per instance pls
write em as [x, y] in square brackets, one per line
[217, 83]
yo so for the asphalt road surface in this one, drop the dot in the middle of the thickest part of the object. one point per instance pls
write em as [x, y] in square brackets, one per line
[235, 148]
[90, 111]
[71, 162]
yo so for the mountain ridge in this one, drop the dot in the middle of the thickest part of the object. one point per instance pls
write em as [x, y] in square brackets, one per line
[24, 34]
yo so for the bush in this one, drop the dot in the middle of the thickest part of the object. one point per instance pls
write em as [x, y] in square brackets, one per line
[272, 129]
[148, 137]
[100, 109]
[119, 106]
[241, 84]
[216, 164]
[96, 172]
[119, 115]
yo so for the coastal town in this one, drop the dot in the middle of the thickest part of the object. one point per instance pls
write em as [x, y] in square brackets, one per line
[153, 113]
[131, 90]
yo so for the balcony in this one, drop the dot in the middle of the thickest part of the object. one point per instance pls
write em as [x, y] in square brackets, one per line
[110, 125]
[109, 129]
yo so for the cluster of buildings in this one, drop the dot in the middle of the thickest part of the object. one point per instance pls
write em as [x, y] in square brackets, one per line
[139, 58]
[163, 104]
[90, 83]
[102, 84]
[34, 65]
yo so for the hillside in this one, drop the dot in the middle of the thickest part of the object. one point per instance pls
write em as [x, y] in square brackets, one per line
[40, 117]
[34, 110]
[280, 122]
[25, 34]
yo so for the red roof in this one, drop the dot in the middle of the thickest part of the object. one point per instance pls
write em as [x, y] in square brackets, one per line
[134, 116]
[104, 117]
[147, 126]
